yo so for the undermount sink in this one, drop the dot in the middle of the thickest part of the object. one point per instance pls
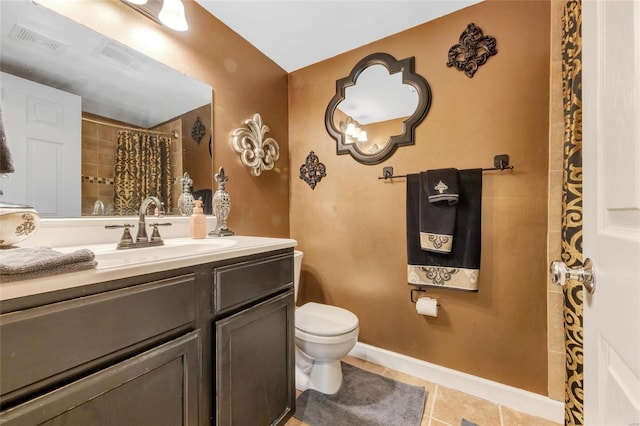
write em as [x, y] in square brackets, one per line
[108, 256]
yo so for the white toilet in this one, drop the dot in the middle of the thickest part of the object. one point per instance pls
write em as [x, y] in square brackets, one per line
[324, 335]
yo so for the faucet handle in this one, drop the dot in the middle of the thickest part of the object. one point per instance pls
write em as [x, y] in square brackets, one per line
[126, 235]
[155, 235]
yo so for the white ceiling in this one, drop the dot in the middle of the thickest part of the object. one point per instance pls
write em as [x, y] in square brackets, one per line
[113, 80]
[298, 33]
[293, 33]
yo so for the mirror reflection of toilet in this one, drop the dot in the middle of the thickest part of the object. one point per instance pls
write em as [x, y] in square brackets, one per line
[324, 334]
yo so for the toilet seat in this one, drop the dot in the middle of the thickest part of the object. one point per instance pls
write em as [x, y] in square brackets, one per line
[327, 340]
[321, 320]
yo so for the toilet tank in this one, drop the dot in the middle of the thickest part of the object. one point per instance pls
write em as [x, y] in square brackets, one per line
[297, 267]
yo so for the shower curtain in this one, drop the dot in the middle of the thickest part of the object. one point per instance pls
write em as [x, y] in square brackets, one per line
[572, 207]
[143, 168]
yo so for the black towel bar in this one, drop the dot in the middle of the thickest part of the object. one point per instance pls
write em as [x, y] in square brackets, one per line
[500, 162]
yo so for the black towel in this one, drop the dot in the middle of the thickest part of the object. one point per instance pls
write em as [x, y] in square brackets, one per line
[437, 204]
[6, 162]
[460, 268]
[441, 185]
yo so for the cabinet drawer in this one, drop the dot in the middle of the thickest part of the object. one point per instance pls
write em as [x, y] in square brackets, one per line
[44, 345]
[157, 387]
[242, 283]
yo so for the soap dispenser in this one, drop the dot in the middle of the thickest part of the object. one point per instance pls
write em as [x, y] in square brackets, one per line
[198, 221]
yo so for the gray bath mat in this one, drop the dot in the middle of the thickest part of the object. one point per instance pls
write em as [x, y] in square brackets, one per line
[363, 399]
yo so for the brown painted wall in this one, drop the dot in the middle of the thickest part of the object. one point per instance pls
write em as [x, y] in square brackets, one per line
[351, 227]
[197, 153]
[244, 82]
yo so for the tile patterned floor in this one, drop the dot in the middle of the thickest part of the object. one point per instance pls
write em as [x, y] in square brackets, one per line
[447, 407]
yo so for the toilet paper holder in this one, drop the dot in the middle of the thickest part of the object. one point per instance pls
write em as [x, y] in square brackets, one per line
[419, 289]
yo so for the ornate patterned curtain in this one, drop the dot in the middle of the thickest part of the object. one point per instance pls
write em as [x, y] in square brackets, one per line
[572, 207]
[143, 168]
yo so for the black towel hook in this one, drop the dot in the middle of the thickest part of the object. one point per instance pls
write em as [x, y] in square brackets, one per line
[501, 162]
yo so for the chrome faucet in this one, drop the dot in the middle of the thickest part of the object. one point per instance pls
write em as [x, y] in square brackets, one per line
[98, 208]
[142, 226]
[126, 242]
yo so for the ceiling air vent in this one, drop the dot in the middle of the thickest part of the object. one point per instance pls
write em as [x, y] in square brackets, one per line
[116, 54]
[36, 39]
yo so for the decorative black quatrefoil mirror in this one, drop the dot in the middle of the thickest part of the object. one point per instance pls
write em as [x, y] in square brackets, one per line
[376, 108]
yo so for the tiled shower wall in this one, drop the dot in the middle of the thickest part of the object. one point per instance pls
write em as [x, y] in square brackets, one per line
[555, 318]
[98, 160]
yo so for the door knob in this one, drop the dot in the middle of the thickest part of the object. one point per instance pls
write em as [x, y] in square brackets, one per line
[561, 273]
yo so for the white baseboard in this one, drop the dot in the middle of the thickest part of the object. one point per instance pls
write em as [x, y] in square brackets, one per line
[517, 399]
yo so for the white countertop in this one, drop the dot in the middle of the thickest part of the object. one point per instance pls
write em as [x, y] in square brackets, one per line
[222, 248]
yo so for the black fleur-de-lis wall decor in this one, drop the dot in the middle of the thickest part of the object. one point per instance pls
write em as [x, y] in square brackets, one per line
[312, 171]
[198, 130]
[474, 50]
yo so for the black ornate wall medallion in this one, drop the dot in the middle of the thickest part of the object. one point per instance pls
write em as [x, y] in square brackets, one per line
[312, 171]
[198, 130]
[473, 50]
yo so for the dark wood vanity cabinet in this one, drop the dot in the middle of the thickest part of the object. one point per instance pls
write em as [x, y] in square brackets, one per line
[156, 387]
[151, 350]
[254, 345]
[126, 356]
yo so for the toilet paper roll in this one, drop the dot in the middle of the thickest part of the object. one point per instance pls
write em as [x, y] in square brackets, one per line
[427, 306]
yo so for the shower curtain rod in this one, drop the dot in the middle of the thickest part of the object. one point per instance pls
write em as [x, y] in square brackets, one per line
[500, 162]
[173, 134]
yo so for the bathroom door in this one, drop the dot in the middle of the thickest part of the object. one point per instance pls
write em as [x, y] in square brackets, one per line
[611, 164]
[43, 129]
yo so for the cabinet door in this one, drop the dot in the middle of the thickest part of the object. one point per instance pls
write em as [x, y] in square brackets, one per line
[158, 387]
[45, 346]
[255, 364]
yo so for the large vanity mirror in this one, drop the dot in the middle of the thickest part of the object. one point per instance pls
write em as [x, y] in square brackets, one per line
[377, 107]
[94, 126]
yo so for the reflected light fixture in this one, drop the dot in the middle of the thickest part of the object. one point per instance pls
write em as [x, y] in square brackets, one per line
[172, 15]
[169, 13]
[352, 129]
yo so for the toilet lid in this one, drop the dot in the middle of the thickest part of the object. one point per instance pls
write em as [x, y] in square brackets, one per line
[324, 320]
